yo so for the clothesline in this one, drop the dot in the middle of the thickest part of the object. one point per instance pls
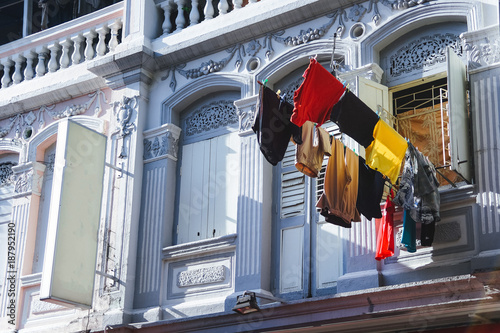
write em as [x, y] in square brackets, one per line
[352, 185]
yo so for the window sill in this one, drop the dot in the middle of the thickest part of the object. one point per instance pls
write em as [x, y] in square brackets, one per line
[205, 246]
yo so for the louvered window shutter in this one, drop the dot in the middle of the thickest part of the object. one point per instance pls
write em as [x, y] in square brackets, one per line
[292, 231]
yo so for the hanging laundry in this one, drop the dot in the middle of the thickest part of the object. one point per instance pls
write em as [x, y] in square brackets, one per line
[409, 238]
[338, 200]
[426, 188]
[385, 235]
[405, 196]
[370, 191]
[387, 151]
[354, 118]
[273, 127]
[310, 154]
[418, 193]
[427, 233]
[316, 96]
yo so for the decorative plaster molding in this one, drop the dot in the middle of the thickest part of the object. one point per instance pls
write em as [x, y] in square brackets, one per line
[24, 182]
[124, 110]
[6, 174]
[210, 117]
[483, 47]
[447, 232]
[246, 109]
[423, 52]
[246, 118]
[23, 122]
[168, 146]
[161, 142]
[371, 72]
[28, 178]
[201, 276]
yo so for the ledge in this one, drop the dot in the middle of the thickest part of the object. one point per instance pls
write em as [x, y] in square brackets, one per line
[453, 301]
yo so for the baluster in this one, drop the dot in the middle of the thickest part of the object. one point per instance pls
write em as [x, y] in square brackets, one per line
[238, 3]
[42, 56]
[18, 75]
[208, 11]
[194, 16]
[6, 79]
[29, 72]
[115, 27]
[76, 57]
[180, 22]
[167, 10]
[89, 49]
[65, 58]
[54, 50]
[101, 44]
[223, 7]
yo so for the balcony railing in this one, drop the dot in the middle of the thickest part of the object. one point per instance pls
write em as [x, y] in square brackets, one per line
[63, 46]
[180, 14]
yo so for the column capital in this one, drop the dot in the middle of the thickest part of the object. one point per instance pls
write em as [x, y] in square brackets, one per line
[28, 178]
[371, 72]
[246, 109]
[161, 142]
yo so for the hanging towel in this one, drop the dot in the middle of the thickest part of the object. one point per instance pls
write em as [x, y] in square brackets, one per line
[273, 127]
[370, 191]
[354, 118]
[316, 96]
[338, 200]
[385, 235]
[387, 150]
[310, 154]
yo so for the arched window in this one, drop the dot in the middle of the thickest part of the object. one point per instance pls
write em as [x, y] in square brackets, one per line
[207, 187]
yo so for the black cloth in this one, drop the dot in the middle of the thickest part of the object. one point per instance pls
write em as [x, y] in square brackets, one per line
[334, 219]
[427, 233]
[273, 127]
[370, 191]
[354, 118]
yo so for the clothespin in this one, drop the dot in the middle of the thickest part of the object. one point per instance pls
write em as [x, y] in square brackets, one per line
[265, 82]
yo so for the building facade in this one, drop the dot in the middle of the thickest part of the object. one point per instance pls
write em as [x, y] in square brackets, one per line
[134, 195]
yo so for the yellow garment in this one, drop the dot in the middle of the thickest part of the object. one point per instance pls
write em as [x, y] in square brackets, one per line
[387, 151]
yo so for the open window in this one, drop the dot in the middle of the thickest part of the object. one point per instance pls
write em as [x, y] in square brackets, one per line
[432, 113]
[69, 264]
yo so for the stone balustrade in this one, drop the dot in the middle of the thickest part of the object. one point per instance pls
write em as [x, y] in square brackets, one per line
[188, 13]
[63, 46]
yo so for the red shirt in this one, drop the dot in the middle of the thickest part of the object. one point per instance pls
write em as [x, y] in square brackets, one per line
[316, 96]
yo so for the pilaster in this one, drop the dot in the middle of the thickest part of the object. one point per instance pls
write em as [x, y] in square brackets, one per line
[27, 188]
[254, 209]
[156, 221]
